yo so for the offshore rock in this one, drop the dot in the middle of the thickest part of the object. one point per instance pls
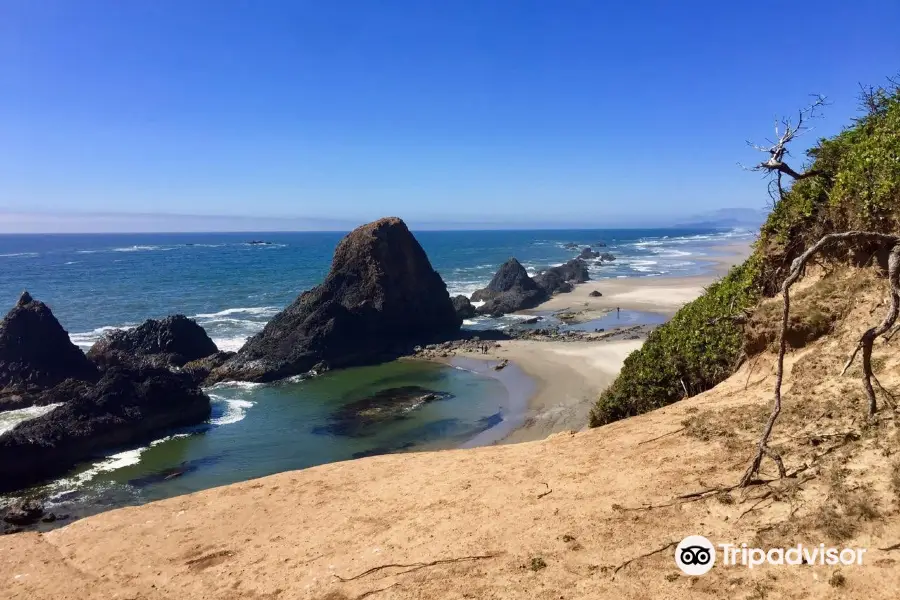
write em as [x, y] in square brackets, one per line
[510, 290]
[381, 298]
[170, 342]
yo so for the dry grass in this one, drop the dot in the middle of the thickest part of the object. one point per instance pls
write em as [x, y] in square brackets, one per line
[815, 310]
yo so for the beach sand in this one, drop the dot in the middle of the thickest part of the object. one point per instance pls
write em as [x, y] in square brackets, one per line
[569, 376]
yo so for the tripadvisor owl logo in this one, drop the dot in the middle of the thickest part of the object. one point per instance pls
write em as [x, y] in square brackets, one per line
[695, 555]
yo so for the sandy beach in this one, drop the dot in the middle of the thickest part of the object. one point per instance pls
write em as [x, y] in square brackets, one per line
[569, 376]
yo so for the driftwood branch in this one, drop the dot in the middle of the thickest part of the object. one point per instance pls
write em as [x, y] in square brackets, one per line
[648, 554]
[416, 566]
[865, 344]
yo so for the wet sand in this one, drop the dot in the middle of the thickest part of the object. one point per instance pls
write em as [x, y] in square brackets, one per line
[569, 376]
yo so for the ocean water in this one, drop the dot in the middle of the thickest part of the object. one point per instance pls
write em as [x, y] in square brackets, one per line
[232, 287]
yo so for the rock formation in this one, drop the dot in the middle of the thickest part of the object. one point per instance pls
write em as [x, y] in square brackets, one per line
[588, 252]
[510, 289]
[169, 342]
[464, 308]
[36, 354]
[126, 407]
[380, 298]
[562, 278]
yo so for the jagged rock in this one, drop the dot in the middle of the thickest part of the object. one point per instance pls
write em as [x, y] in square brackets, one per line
[501, 365]
[607, 257]
[510, 289]
[588, 252]
[570, 246]
[464, 308]
[171, 342]
[561, 279]
[380, 298]
[595, 294]
[200, 369]
[22, 511]
[36, 354]
[125, 407]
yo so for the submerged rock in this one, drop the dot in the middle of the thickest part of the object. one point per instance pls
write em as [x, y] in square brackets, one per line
[363, 416]
[510, 290]
[570, 246]
[36, 354]
[126, 407]
[463, 307]
[169, 342]
[380, 298]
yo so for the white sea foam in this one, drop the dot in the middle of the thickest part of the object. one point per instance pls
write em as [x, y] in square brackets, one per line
[86, 339]
[262, 311]
[20, 255]
[230, 344]
[227, 411]
[11, 418]
[141, 248]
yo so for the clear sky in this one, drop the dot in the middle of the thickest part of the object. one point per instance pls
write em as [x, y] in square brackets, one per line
[533, 111]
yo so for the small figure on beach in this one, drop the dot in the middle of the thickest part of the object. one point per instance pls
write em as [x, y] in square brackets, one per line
[617, 311]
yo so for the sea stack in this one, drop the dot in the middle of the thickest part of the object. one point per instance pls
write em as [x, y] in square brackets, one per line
[36, 354]
[380, 298]
[510, 289]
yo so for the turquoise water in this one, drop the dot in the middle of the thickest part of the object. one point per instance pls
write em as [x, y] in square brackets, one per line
[97, 282]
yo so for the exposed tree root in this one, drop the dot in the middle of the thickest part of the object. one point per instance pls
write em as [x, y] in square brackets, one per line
[659, 437]
[416, 566]
[648, 554]
[865, 344]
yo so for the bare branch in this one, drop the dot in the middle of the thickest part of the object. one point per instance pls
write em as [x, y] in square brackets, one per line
[784, 135]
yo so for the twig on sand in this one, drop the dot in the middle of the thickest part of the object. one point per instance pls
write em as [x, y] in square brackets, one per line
[659, 437]
[549, 490]
[682, 499]
[370, 592]
[889, 548]
[648, 554]
[416, 566]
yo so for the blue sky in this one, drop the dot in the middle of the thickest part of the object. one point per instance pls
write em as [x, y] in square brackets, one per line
[537, 112]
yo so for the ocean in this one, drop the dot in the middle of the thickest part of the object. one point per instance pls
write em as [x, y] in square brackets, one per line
[232, 284]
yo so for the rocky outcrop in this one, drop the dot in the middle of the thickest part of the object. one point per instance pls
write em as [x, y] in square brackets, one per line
[126, 407]
[595, 294]
[607, 257]
[380, 298]
[464, 308]
[200, 369]
[36, 354]
[570, 246]
[169, 342]
[561, 279]
[510, 289]
[588, 252]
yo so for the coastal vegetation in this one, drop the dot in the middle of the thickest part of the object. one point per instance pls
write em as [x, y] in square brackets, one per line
[851, 182]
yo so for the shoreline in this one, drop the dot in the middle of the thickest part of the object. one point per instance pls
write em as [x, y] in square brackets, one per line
[569, 376]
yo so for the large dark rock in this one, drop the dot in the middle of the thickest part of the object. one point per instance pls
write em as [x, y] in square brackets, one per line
[200, 369]
[511, 275]
[588, 252]
[510, 290]
[380, 298]
[560, 279]
[125, 407]
[171, 342]
[36, 354]
[463, 307]
[607, 257]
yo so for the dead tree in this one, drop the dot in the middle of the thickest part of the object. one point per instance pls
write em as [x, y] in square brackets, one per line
[865, 344]
[785, 132]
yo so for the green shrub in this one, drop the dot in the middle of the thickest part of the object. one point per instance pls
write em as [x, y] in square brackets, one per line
[859, 188]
